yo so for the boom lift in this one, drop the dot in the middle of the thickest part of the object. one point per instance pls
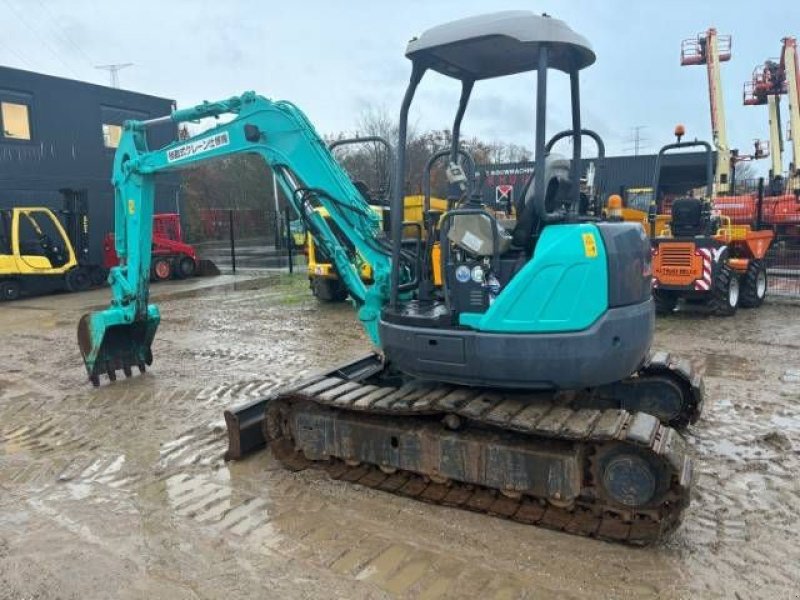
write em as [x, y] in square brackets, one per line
[710, 49]
[766, 87]
[791, 70]
[522, 386]
[780, 207]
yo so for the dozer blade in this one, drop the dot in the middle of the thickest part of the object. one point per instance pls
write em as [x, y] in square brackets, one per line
[245, 423]
[207, 268]
[108, 345]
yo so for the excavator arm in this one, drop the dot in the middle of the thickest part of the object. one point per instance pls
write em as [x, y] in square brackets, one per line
[120, 336]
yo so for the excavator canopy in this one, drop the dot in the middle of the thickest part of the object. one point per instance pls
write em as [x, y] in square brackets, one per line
[498, 44]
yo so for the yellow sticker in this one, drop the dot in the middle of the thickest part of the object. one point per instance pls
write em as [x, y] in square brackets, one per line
[589, 245]
[132, 207]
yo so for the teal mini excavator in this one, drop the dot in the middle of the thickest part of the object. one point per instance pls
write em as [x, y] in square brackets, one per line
[520, 383]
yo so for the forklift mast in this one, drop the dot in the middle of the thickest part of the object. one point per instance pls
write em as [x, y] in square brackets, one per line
[75, 216]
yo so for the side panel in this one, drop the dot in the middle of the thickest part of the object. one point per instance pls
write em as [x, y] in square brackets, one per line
[564, 287]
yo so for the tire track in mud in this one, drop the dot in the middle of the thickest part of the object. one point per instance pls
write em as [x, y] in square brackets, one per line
[281, 513]
[307, 529]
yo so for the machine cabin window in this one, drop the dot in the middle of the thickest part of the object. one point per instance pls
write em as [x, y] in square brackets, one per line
[15, 119]
[111, 135]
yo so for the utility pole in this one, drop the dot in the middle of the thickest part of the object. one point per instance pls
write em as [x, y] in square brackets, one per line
[114, 69]
[636, 139]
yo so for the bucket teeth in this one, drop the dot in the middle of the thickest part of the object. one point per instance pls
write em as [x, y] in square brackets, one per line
[109, 369]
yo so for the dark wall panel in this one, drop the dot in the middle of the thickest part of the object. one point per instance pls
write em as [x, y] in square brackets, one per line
[66, 147]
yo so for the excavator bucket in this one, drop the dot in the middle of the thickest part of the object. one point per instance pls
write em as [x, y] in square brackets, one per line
[109, 344]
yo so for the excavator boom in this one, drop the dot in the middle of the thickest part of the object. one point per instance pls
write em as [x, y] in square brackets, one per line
[120, 336]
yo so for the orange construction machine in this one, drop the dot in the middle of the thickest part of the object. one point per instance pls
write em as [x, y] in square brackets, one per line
[699, 254]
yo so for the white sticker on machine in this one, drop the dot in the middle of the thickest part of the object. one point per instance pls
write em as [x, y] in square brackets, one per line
[198, 147]
[471, 241]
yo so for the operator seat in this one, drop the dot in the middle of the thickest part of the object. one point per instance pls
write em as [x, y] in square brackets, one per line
[558, 193]
[688, 218]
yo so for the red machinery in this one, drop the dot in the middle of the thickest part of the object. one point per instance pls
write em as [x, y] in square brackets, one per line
[172, 257]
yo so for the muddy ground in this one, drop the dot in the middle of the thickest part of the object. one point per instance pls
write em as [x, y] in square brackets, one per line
[122, 491]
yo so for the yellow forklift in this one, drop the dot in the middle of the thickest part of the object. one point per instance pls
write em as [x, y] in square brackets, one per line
[39, 254]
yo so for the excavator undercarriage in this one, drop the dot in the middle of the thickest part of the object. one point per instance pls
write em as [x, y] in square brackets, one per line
[590, 462]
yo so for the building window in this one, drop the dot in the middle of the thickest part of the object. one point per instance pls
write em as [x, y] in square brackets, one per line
[111, 135]
[15, 120]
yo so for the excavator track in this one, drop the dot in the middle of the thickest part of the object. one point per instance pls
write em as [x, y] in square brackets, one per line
[537, 458]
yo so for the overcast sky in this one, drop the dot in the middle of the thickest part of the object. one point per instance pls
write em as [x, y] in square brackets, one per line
[334, 59]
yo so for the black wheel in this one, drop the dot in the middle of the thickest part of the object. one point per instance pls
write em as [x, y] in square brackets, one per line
[98, 275]
[754, 285]
[127, 370]
[161, 269]
[328, 290]
[9, 290]
[666, 301]
[78, 280]
[630, 477]
[186, 267]
[724, 293]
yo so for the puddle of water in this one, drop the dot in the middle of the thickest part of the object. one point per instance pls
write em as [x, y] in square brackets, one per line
[791, 376]
[786, 423]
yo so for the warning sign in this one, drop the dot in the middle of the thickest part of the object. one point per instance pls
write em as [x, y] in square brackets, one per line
[504, 194]
[589, 245]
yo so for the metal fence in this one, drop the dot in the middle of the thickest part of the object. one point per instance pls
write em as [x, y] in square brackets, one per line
[241, 240]
[764, 207]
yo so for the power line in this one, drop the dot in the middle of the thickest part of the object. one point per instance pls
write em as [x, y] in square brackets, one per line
[44, 41]
[114, 70]
[63, 33]
[636, 140]
[13, 51]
